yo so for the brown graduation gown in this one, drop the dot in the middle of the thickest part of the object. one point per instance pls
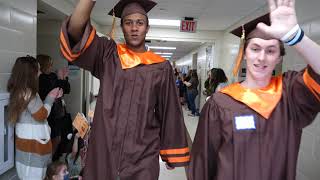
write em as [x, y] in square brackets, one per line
[137, 117]
[268, 152]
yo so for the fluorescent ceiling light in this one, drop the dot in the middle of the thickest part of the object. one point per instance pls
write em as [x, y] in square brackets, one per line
[163, 53]
[166, 56]
[161, 47]
[164, 22]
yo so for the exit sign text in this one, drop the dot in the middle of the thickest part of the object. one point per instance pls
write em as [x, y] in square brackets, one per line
[188, 26]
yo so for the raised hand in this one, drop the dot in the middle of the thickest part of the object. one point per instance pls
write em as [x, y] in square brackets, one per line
[282, 16]
[56, 93]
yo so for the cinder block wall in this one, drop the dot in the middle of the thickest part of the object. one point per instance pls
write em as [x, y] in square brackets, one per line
[18, 28]
[18, 31]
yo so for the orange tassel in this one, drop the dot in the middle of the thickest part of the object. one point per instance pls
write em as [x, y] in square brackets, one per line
[240, 54]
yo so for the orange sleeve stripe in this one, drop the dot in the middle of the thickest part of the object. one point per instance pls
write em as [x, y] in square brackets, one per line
[41, 114]
[90, 39]
[64, 44]
[177, 159]
[65, 55]
[174, 151]
[312, 85]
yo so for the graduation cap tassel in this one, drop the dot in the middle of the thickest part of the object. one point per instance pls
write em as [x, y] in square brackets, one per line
[240, 54]
[111, 33]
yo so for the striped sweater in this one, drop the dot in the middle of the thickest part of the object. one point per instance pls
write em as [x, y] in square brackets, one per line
[33, 144]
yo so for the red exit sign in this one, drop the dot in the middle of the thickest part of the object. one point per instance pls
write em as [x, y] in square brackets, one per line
[188, 26]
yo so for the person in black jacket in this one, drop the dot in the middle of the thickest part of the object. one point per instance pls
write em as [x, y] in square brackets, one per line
[49, 80]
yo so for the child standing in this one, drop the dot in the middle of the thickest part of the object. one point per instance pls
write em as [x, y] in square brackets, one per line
[72, 158]
[57, 171]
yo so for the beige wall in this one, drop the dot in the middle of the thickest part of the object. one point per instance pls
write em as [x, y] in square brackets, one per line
[17, 38]
[17, 33]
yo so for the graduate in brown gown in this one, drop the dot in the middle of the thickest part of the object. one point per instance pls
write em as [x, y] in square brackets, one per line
[251, 130]
[138, 115]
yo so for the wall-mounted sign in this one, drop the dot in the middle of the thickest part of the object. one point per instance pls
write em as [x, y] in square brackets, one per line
[188, 26]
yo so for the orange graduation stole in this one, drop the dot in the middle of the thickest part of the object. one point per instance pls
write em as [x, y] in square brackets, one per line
[263, 101]
[130, 59]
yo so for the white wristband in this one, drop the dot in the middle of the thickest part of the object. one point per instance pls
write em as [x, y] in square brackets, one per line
[293, 31]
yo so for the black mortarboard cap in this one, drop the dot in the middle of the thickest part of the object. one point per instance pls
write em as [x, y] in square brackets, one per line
[146, 5]
[251, 26]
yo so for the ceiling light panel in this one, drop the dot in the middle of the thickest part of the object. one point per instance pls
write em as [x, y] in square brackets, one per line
[161, 47]
[164, 22]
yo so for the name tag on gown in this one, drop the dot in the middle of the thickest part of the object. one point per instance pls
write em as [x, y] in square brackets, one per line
[245, 122]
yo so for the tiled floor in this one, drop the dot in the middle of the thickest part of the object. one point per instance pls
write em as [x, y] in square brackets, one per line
[10, 175]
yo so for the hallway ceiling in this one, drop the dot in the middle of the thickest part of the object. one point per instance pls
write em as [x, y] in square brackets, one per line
[182, 47]
[46, 12]
[210, 14]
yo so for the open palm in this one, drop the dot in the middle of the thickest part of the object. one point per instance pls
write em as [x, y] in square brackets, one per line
[282, 16]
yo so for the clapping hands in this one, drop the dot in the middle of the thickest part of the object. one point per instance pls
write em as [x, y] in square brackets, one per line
[56, 93]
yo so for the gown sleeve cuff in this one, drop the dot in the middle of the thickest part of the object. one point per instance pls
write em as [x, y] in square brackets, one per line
[312, 81]
[73, 52]
[176, 157]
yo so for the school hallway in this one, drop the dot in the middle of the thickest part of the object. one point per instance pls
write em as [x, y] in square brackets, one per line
[190, 34]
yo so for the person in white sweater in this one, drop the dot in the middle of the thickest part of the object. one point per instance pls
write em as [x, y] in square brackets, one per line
[29, 115]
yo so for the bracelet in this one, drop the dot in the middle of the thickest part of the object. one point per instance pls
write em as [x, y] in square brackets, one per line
[297, 38]
[294, 30]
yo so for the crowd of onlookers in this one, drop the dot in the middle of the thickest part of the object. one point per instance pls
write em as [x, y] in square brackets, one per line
[188, 85]
[47, 145]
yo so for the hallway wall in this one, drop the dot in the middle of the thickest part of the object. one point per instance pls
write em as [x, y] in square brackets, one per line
[18, 29]
[17, 33]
